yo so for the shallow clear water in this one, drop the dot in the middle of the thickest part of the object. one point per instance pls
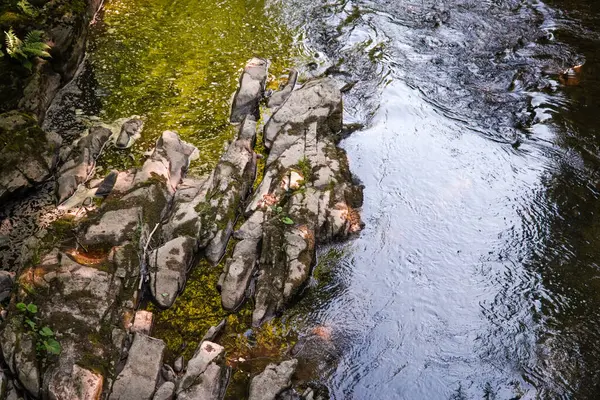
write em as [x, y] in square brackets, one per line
[177, 64]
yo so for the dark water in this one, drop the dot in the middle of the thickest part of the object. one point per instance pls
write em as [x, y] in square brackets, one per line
[477, 275]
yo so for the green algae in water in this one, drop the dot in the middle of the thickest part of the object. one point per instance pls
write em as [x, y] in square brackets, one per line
[177, 63]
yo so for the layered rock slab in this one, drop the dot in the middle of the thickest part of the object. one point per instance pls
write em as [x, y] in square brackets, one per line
[307, 196]
[206, 376]
[138, 378]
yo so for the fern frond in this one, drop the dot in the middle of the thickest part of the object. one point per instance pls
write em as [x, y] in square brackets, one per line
[13, 43]
[28, 9]
[34, 36]
[36, 49]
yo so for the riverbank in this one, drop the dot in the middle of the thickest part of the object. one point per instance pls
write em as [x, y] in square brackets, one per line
[58, 341]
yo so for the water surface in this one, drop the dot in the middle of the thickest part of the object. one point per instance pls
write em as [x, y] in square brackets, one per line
[477, 274]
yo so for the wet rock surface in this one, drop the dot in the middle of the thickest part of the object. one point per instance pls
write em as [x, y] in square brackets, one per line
[80, 162]
[250, 92]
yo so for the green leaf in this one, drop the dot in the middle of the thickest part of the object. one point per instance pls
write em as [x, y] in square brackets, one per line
[287, 220]
[279, 209]
[52, 346]
[32, 308]
[21, 306]
[31, 324]
[45, 331]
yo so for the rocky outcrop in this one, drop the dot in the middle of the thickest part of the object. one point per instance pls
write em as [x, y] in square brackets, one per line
[86, 290]
[151, 229]
[27, 154]
[66, 27]
[307, 196]
[228, 188]
[272, 381]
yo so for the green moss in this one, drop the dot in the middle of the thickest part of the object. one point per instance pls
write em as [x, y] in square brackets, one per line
[306, 169]
[195, 310]
[261, 162]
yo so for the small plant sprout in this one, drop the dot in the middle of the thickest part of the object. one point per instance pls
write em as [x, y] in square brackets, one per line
[282, 217]
[45, 337]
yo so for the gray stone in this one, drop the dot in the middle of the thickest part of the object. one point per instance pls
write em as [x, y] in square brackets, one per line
[7, 280]
[167, 373]
[279, 97]
[272, 381]
[141, 372]
[113, 228]
[214, 331]
[237, 273]
[205, 354]
[317, 101]
[26, 365]
[179, 364]
[108, 183]
[170, 160]
[130, 131]
[166, 391]
[230, 185]
[169, 265]
[210, 385]
[251, 90]
[81, 162]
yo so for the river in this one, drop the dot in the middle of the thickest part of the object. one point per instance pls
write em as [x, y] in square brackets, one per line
[477, 274]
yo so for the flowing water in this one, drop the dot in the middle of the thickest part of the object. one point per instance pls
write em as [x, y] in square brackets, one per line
[477, 274]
